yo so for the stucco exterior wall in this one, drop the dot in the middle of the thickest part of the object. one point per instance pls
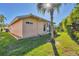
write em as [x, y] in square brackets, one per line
[41, 27]
[17, 28]
[22, 29]
[35, 29]
[29, 30]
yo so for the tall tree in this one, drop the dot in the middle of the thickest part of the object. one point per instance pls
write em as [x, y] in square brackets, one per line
[50, 8]
[2, 18]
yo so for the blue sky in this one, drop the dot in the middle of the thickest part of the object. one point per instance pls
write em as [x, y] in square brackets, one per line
[11, 10]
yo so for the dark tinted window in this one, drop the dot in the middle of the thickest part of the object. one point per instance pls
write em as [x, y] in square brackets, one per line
[44, 29]
[29, 23]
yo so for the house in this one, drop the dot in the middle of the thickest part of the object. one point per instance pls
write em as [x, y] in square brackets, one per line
[29, 26]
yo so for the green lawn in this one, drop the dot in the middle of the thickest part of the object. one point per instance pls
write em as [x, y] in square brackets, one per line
[66, 45]
[37, 46]
[31, 46]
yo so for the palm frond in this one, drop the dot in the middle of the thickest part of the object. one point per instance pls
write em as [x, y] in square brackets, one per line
[58, 7]
[42, 7]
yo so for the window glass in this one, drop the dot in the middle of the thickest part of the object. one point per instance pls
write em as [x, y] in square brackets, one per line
[29, 23]
[44, 27]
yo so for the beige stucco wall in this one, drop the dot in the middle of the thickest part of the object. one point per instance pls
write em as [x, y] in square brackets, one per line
[17, 28]
[30, 30]
[23, 30]
[41, 26]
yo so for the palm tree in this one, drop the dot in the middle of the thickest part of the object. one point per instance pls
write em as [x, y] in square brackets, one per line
[2, 18]
[50, 8]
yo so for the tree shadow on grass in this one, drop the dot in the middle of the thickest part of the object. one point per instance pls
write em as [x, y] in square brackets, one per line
[12, 47]
[24, 46]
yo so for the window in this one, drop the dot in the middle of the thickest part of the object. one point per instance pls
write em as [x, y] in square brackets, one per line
[29, 23]
[44, 29]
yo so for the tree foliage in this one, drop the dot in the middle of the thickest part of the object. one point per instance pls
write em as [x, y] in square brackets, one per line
[2, 18]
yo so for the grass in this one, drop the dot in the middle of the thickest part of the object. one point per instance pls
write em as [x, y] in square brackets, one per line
[39, 51]
[37, 46]
[66, 45]
[31, 46]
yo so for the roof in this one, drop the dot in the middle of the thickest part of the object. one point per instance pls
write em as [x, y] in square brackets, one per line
[26, 16]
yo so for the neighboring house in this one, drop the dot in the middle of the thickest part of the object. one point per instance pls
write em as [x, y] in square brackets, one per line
[29, 26]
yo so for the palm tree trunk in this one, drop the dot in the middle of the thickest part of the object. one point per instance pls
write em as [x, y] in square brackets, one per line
[51, 26]
[52, 34]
